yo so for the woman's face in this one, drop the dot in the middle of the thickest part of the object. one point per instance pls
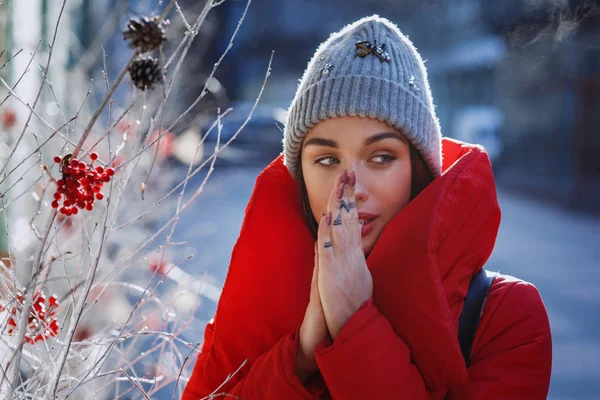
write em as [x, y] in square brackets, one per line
[380, 156]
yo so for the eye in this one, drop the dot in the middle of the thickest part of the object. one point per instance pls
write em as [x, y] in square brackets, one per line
[382, 159]
[327, 161]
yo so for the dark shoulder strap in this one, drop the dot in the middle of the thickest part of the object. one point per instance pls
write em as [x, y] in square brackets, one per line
[469, 318]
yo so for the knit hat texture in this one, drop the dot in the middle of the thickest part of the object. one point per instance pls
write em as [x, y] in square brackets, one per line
[388, 83]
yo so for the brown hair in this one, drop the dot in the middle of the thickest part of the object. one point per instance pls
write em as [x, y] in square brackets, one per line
[420, 178]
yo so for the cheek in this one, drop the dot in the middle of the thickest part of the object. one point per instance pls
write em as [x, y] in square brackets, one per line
[394, 189]
[318, 196]
[318, 187]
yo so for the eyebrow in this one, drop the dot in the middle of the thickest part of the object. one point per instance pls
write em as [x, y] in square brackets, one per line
[382, 136]
[369, 141]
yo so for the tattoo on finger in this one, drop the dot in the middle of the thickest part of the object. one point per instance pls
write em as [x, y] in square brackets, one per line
[338, 220]
[327, 244]
[344, 205]
[352, 204]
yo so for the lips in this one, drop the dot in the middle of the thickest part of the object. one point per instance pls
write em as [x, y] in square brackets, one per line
[367, 222]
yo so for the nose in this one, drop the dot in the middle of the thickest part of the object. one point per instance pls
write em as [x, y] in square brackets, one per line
[360, 189]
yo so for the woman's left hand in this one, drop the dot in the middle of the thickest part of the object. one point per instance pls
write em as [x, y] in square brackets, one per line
[344, 280]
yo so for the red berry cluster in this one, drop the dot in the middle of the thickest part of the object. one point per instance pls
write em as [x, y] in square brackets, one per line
[80, 184]
[42, 322]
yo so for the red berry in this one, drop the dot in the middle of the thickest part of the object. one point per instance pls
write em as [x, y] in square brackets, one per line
[99, 169]
[57, 196]
[89, 207]
[82, 165]
[53, 300]
[54, 204]
[54, 326]
[57, 159]
[94, 156]
[63, 210]
[106, 178]
[74, 210]
[99, 196]
[110, 171]
[74, 162]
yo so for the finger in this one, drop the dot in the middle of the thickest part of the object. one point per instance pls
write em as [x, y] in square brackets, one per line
[326, 262]
[314, 285]
[350, 220]
[315, 278]
[316, 266]
[325, 246]
[336, 205]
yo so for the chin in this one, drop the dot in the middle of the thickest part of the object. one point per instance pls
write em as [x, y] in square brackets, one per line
[367, 246]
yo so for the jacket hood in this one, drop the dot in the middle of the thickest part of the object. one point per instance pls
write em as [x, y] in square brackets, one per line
[422, 265]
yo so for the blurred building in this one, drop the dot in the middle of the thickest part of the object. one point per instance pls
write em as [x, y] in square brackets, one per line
[548, 86]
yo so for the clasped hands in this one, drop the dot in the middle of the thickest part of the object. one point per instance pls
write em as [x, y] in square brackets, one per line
[341, 281]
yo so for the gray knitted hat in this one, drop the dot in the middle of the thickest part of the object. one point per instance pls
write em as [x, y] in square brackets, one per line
[367, 69]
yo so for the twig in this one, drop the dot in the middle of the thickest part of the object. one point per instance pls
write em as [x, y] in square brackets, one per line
[37, 97]
[215, 154]
[78, 310]
[189, 175]
[187, 25]
[24, 72]
[25, 314]
[216, 65]
[107, 97]
[10, 59]
[43, 143]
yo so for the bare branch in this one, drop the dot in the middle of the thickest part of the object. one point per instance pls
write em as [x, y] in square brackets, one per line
[62, 8]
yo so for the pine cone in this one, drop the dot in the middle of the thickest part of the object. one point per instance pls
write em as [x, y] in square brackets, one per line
[145, 72]
[145, 35]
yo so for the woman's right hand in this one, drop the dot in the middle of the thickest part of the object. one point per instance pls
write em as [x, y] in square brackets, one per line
[312, 331]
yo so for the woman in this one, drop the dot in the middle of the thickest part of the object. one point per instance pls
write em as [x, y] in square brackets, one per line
[358, 247]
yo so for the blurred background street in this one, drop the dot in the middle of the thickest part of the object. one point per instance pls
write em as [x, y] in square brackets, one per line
[520, 77]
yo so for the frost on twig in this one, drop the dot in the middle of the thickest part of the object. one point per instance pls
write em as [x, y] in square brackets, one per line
[94, 299]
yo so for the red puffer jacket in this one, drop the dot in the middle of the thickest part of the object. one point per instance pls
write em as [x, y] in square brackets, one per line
[402, 343]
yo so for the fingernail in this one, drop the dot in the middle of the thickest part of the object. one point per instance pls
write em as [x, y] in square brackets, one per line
[352, 179]
[345, 176]
[340, 191]
[329, 218]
